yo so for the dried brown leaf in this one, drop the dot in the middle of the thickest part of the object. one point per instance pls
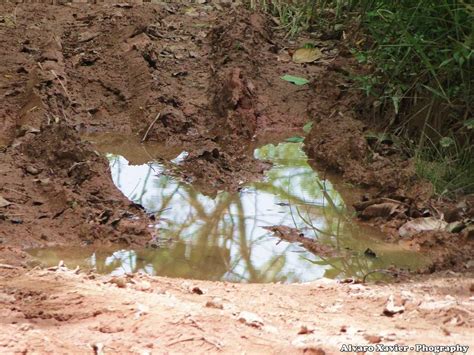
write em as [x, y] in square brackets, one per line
[306, 55]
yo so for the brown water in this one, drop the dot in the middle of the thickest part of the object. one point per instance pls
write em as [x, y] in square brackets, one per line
[222, 238]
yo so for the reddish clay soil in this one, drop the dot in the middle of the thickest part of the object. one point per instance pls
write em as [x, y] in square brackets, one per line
[63, 312]
[204, 78]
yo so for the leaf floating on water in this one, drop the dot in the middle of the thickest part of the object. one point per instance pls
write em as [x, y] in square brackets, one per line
[295, 79]
[294, 139]
[306, 55]
[419, 225]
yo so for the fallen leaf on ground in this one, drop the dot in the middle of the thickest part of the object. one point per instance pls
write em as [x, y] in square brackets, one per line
[4, 203]
[306, 55]
[307, 127]
[294, 139]
[419, 225]
[87, 36]
[455, 227]
[295, 79]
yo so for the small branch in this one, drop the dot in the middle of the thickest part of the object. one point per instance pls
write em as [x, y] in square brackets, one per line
[218, 346]
[7, 266]
[150, 127]
[16, 191]
[382, 271]
[62, 85]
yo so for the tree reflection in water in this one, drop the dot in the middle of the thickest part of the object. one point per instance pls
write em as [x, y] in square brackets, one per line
[222, 238]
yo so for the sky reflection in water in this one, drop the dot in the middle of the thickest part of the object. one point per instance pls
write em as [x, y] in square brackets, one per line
[222, 238]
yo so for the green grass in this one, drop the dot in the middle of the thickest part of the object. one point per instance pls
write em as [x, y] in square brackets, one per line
[422, 75]
[448, 166]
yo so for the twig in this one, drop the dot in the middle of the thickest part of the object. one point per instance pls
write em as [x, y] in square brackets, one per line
[150, 127]
[218, 346]
[382, 271]
[7, 266]
[196, 324]
[16, 191]
[62, 85]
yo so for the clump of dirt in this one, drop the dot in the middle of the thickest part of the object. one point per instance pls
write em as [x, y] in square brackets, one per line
[211, 168]
[60, 192]
[59, 149]
[235, 107]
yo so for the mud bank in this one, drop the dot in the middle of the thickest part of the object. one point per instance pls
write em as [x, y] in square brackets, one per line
[393, 197]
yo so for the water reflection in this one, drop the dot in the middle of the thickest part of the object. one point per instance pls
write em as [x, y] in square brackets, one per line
[222, 238]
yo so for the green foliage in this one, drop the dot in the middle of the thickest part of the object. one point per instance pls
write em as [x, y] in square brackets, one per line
[449, 165]
[291, 16]
[421, 49]
[422, 52]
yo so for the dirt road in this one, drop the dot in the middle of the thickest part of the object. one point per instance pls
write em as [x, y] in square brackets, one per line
[61, 312]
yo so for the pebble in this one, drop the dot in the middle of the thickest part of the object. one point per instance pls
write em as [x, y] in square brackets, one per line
[32, 170]
[215, 303]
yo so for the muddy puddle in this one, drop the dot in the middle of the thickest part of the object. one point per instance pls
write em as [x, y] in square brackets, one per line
[222, 237]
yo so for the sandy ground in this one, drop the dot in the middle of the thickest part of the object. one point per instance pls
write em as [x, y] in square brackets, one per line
[63, 312]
